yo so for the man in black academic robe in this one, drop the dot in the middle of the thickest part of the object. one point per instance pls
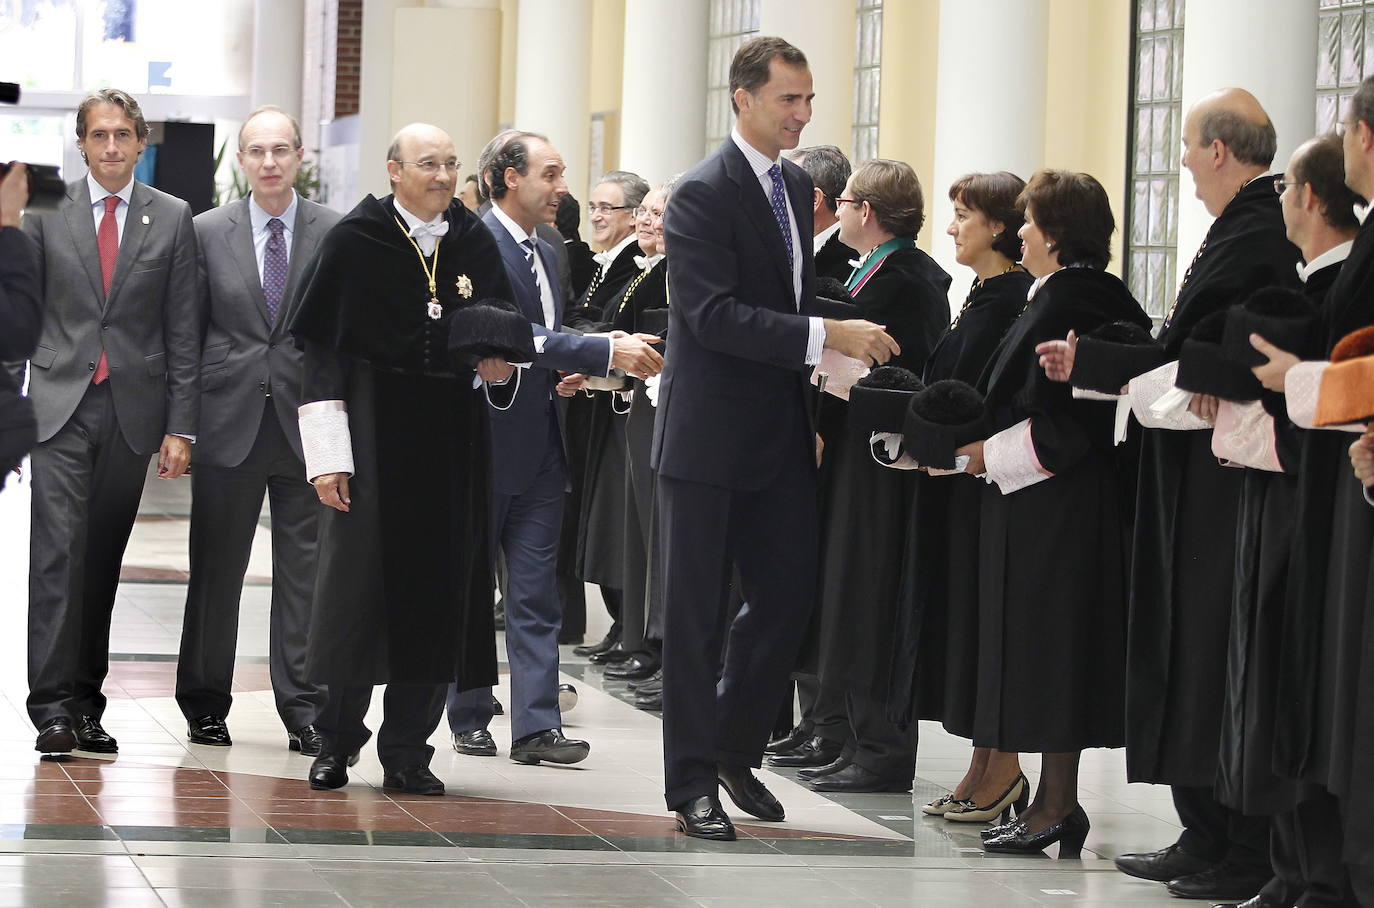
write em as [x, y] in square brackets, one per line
[1184, 545]
[396, 444]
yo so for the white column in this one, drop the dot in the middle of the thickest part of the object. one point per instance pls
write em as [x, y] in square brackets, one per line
[552, 77]
[454, 91]
[989, 106]
[664, 71]
[278, 49]
[374, 95]
[824, 30]
[1220, 38]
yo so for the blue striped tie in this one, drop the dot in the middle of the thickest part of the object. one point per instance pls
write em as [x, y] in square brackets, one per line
[779, 203]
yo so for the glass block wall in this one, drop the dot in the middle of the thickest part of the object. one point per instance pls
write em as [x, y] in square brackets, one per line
[1345, 53]
[868, 57]
[1157, 129]
[732, 23]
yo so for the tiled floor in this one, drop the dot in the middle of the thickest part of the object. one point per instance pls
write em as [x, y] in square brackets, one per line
[167, 823]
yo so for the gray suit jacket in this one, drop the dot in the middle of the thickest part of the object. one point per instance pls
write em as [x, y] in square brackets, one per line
[148, 325]
[244, 357]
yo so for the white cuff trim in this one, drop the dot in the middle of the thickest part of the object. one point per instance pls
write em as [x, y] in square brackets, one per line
[1157, 404]
[325, 438]
[1010, 459]
[815, 341]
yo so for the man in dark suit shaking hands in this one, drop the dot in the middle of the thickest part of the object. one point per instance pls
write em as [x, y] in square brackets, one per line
[733, 443]
[253, 253]
[114, 379]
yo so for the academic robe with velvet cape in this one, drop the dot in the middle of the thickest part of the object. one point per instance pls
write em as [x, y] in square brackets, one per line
[1183, 562]
[404, 585]
[934, 672]
[643, 591]
[601, 530]
[1247, 781]
[864, 505]
[1052, 555]
[1325, 713]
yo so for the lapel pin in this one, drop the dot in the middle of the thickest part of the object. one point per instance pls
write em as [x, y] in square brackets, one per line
[464, 286]
[147, 220]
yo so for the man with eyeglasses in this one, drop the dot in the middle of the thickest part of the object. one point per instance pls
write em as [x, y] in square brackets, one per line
[253, 253]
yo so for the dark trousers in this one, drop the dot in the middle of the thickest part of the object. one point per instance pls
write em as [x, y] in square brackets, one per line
[1362, 883]
[1305, 849]
[86, 485]
[1214, 832]
[410, 713]
[824, 708]
[770, 535]
[526, 526]
[877, 744]
[224, 516]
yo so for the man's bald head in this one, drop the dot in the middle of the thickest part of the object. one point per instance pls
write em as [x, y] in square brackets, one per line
[415, 133]
[1235, 117]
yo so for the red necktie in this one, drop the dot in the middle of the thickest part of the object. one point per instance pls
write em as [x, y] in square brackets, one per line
[107, 240]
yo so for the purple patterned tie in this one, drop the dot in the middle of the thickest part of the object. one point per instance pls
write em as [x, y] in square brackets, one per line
[274, 268]
[779, 203]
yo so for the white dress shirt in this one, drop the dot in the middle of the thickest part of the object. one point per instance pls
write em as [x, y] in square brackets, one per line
[258, 219]
[99, 194]
[605, 259]
[426, 240]
[818, 242]
[760, 164]
[1338, 253]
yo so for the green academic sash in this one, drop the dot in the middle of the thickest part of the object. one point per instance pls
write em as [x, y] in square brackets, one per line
[871, 262]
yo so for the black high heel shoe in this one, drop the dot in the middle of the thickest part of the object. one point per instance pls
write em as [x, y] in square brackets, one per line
[1016, 796]
[1002, 829]
[1069, 832]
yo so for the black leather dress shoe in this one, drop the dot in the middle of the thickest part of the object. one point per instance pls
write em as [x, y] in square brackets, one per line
[613, 656]
[307, 740]
[636, 668]
[330, 771]
[591, 649]
[496, 708]
[649, 684]
[1167, 864]
[416, 780]
[1225, 883]
[549, 746]
[1260, 901]
[475, 743]
[91, 738]
[855, 778]
[815, 772]
[703, 818]
[789, 742]
[208, 730]
[56, 736]
[652, 703]
[816, 751]
[749, 794]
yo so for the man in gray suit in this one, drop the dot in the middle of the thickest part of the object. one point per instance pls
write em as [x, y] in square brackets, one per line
[115, 378]
[252, 254]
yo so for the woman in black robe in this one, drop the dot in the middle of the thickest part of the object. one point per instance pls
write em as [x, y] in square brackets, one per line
[1053, 540]
[935, 640]
[864, 505]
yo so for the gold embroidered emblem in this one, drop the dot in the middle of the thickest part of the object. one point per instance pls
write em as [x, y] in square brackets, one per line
[464, 285]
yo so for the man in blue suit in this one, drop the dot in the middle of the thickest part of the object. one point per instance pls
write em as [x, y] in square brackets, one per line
[524, 174]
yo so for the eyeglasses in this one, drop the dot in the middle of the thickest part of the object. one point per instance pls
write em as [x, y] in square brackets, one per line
[1280, 183]
[280, 152]
[642, 212]
[838, 200]
[604, 210]
[430, 168]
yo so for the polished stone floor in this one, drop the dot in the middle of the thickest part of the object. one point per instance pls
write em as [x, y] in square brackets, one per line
[169, 823]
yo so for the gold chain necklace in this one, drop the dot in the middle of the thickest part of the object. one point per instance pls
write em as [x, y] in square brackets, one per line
[629, 291]
[432, 308]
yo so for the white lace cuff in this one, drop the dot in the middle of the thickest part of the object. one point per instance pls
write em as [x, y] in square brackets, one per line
[1154, 402]
[1301, 387]
[1009, 457]
[1244, 436]
[1089, 394]
[325, 441]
